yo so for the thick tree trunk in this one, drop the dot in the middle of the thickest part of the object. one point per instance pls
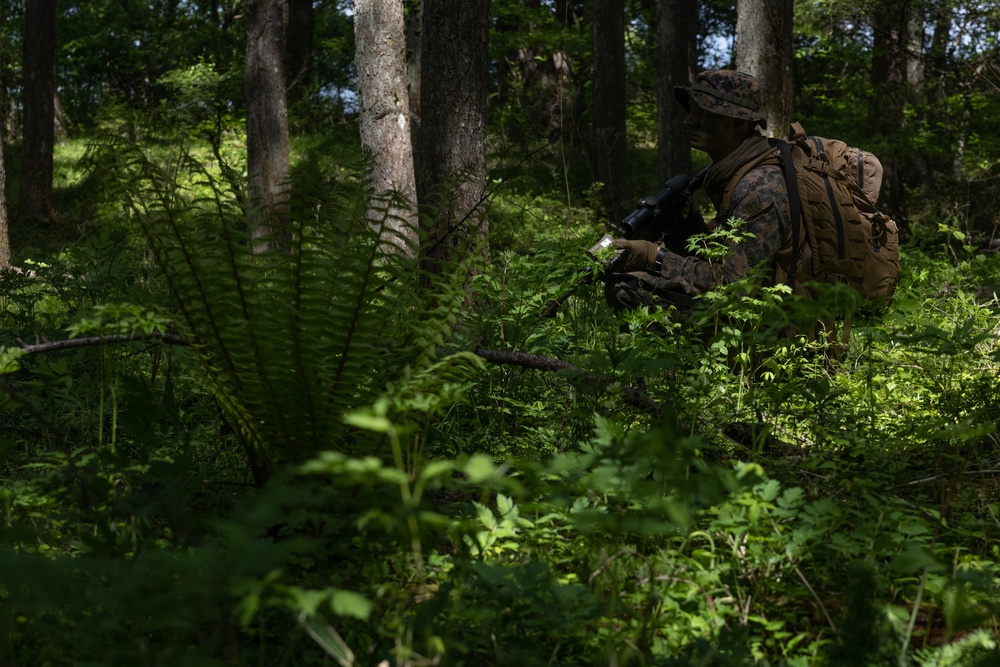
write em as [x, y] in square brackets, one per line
[676, 31]
[609, 140]
[764, 49]
[299, 48]
[451, 180]
[268, 160]
[35, 198]
[380, 63]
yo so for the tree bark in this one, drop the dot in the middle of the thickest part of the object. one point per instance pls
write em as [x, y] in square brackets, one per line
[938, 69]
[764, 49]
[380, 62]
[570, 13]
[676, 33]
[535, 78]
[914, 59]
[414, 16]
[4, 223]
[299, 48]
[609, 138]
[890, 32]
[268, 159]
[35, 197]
[451, 180]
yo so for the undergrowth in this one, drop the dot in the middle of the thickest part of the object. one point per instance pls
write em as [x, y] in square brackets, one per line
[699, 492]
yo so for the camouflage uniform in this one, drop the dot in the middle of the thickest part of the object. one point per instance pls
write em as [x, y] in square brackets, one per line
[759, 199]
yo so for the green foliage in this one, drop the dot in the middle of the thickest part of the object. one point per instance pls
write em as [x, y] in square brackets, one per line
[656, 542]
[112, 53]
[782, 508]
[290, 338]
[771, 504]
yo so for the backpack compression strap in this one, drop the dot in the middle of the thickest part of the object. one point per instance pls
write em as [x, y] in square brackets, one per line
[861, 170]
[837, 219]
[794, 204]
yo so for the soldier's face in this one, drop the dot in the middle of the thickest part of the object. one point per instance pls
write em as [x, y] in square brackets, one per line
[716, 135]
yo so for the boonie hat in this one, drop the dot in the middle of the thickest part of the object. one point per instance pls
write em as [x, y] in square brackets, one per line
[725, 92]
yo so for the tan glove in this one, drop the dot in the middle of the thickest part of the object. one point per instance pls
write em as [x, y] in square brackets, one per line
[638, 255]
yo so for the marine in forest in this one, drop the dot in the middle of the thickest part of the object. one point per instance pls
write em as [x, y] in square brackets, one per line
[724, 120]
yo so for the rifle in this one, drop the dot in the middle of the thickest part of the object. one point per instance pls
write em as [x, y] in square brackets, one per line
[650, 221]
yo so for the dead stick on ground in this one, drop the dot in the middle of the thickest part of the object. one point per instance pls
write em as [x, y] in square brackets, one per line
[93, 341]
[634, 397]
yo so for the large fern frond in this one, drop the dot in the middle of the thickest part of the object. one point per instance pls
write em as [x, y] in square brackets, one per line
[290, 339]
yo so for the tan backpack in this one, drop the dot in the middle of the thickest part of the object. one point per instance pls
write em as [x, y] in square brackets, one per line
[846, 238]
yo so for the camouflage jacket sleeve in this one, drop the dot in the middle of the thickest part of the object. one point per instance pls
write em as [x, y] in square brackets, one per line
[760, 201]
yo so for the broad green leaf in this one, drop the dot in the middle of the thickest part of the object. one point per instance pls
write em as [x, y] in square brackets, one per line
[479, 468]
[436, 469]
[349, 603]
[504, 504]
[915, 559]
[9, 359]
[369, 422]
[485, 515]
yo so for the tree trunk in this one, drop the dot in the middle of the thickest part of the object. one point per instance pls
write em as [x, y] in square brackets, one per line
[451, 180]
[268, 160]
[676, 32]
[764, 49]
[890, 32]
[414, 15]
[35, 197]
[299, 48]
[4, 226]
[940, 82]
[609, 138]
[914, 59]
[570, 13]
[380, 62]
[535, 77]
[938, 68]
[61, 121]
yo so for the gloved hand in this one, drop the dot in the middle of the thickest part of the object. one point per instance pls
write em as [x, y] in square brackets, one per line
[638, 255]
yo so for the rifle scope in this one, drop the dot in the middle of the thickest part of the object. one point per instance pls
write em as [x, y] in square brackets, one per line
[649, 207]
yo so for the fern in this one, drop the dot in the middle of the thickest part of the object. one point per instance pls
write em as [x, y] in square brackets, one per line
[290, 340]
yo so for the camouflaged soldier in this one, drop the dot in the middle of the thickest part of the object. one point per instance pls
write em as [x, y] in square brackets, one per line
[725, 121]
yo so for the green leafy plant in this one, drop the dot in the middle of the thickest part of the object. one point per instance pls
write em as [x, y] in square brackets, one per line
[293, 338]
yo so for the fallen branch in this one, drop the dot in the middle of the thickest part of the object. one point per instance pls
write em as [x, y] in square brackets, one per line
[634, 397]
[93, 341]
[932, 478]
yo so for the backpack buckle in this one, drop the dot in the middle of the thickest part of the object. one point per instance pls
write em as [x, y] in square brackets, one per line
[819, 165]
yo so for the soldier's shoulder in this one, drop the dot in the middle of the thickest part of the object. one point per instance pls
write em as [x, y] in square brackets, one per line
[765, 183]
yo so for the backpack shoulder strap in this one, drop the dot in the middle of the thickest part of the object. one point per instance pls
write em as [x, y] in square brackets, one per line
[794, 204]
